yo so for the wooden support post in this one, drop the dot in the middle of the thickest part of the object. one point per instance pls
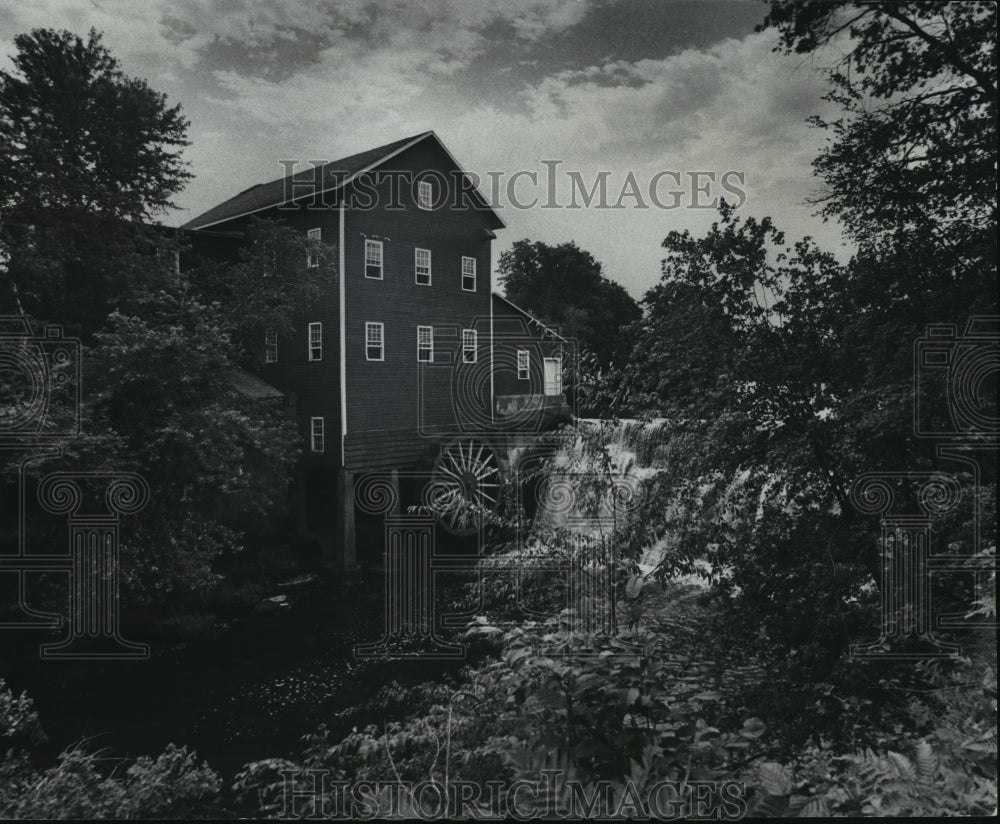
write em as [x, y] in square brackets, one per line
[345, 545]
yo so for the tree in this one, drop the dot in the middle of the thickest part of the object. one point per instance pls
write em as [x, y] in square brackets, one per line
[914, 150]
[160, 400]
[745, 350]
[89, 154]
[267, 286]
[741, 341]
[911, 172]
[563, 285]
[786, 374]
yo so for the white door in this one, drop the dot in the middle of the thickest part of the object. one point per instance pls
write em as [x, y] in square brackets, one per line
[553, 376]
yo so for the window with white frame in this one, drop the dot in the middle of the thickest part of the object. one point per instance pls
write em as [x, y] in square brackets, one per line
[373, 259]
[315, 341]
[552, 375]
[425, 344]
[468, 274]
[469, 349]
[374, 341]
[422, 266]
[317, 431]
[425, 194]
[312, 254]
[523, 361]
[270, 346]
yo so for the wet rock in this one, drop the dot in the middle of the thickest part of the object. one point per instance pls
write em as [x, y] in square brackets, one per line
[272, 604]
[299, 580]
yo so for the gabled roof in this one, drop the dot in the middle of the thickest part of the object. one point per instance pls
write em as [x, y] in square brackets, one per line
[335, 174]
[531, 318]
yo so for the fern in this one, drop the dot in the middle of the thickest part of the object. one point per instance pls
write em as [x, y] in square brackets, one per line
[816, 808]
[928, 763]
[904, 768]
[775, 779]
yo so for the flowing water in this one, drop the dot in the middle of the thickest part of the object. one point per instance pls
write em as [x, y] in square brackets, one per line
[254, 689]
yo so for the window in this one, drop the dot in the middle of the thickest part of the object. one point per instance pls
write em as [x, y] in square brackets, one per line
[425, 194]
[553, 376]
[312, 257]
[469, 352]
[422, 266]
[374, 342]
[425, 344]
[315, 341]
[522, 364]
[373, 259]
[469, 274]
[270, 346]
[317, 433]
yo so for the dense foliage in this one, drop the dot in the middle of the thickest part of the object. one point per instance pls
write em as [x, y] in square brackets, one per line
[563, 285]
[914, 150]
[88, 155]
[162, 398]
[90, 785]
[765, 376]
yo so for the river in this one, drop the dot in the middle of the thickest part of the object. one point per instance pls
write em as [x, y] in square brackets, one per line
[248, 692]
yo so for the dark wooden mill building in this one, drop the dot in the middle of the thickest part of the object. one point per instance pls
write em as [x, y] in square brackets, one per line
[410, 361]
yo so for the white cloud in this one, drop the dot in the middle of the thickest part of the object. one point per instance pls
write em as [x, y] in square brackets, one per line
[734, 107]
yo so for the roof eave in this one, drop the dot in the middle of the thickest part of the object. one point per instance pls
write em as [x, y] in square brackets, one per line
[528, 314]
[342, 183]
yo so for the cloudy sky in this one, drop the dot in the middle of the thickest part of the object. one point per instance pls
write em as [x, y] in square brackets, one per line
[617, 86]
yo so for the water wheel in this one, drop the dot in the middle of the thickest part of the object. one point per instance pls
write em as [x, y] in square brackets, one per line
[465, 486]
